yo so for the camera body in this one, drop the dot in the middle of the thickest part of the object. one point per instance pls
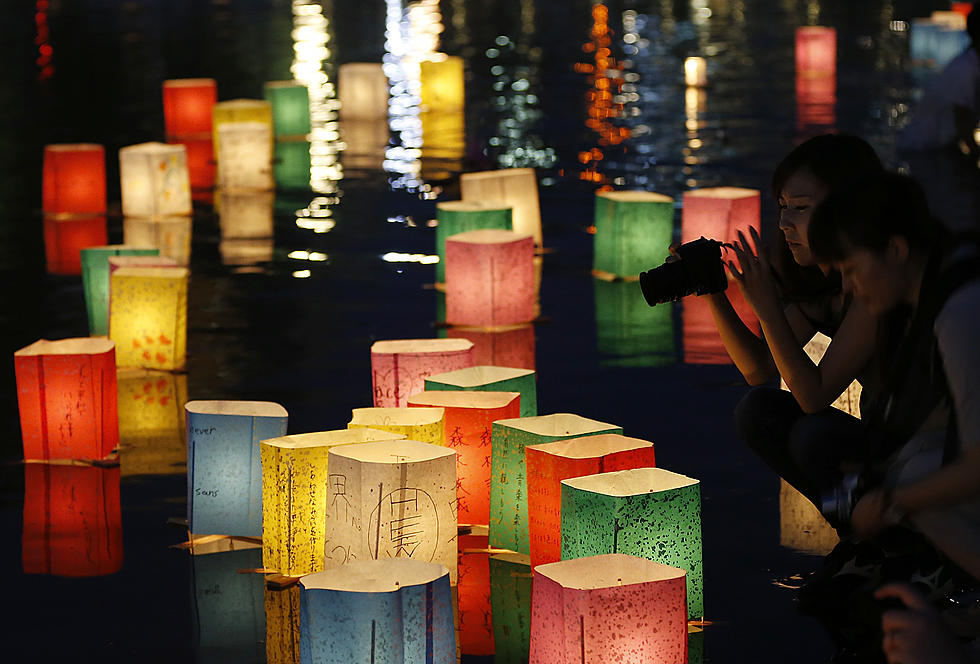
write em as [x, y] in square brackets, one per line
[697, 270]
[837, 504]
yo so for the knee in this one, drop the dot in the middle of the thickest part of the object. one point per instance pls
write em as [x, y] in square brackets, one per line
[763, 410]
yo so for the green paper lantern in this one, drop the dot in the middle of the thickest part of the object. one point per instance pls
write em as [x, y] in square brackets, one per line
[290, 102]
[646, 512]
[291, 165]
[633, 231]
[95, 281]
[491, 379]
[462, 216]
[510, 602]
[630, 332]
[508, 476]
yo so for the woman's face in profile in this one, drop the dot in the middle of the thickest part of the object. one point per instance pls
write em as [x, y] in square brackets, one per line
[800, 194]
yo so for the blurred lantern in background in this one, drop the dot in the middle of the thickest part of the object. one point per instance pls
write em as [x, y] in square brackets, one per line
[290, 102]
[73, 180]
[633, 231]
[695, 72]
[442, 87]
[363, 91]
[155, 180]
[491, 379]
[244, 151]
[188, 104]
[148, 316]
[95, 281]
[719, 213]
[399, 367]
[489, 278]
[514, 187]
[456, 217]
[240, 110]
[170, 235]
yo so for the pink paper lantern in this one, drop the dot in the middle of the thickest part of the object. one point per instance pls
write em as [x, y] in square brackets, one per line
[719, 213]
[606, 609]
[508, 346]
[489, 278]
[816, 49]
[816, 77]
[399, 367]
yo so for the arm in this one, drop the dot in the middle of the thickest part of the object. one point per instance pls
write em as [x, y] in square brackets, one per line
[965, 122]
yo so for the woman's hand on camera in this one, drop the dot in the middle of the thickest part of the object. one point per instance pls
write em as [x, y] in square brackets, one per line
[916, 633]
[754, 276]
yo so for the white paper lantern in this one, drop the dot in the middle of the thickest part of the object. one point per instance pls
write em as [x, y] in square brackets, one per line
[245, 155]
[154, 179]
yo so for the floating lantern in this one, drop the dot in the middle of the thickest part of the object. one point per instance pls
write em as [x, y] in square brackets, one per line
[152, 429]
[294, 491]
[290, 101]
[64, 239]
[66, 394]
[516, 187]
[608, 608]
[224, 467]
[386, 611]
[363, 91]
[95, 281]
[491, 379]
[489, 278]
[456, 217]
[630, 332]
[719, 213]
[282, 627]
[647, 512]
[228, 609]
[170, 235]
[468, 429]
[510, 599]
[391, 499]
[240, 110]
[400, 367]
[816, 76]
[442, 87]
[187, 106]
[155, 180]
[148, 316]
[503, 346]
[702, 343]
[244, 152]
[816, 49]
[73, 180]
[201, 165]
[475, 624]
[245, 214]
[72, 520]
[422, 424]
[802, 527]
[508, 481]
[551, 463]
[695, 72]
[291, 165]
[633, 232]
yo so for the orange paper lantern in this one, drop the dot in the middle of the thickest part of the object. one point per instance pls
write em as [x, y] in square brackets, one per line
[719, 213]
[399, 367]
[74, 179]
[187, 106]
[65, 237]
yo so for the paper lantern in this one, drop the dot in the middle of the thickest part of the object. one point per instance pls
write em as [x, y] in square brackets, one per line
[290, 101]
[816, 49]
[244, 151]
[961, 8]
[815, 101]
[475, 623]
[187, 105]
[695, 72]
[508, 481]
[66, 394]
[291, 165]
[294, 491]
[72, 520]
[399, 367]
[151, 422]
[631, 333]
[702, 343]
[516, 187]
[246, 252]
[282, 629]
[245, 214]
[224, 467]
[363, 91]
[816, 75]
[170, 235]
[95, 281]
[240, 110]
[936, 40]
[383, 611]
[64, 238]
[422, 424]
[469, 418]
[489, 278]
[719, 213]
[148, 316]
[201, 163]
[456, 217]
[491, 379]
[633, 232]
[503, 346]
[228, 606]
[608, 608]
[550, 463]
[510, 600]
[155, 180]
[442, 87]
[73, 180]
[647, 512]
[802, 527]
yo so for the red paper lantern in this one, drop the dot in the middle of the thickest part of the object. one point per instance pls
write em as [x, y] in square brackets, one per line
[74, 179]
[187, 106]
[65, 237]
[200, 161]
[962, 8]
[475, 628]
[509, 346]
[719, 213]
[66, 392]
[702, 343]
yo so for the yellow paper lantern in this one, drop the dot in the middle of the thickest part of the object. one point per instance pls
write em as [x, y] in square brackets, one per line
[154, 180]
[516, 187]
[240, 110]
[422, 424]
[170, 235]
[148, 316]
[442, 87]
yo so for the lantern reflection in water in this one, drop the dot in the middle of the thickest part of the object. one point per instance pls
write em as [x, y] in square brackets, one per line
[475, 623]
[701, 341]
[282, 629]
[170, 235]
[229, 606]
[510, 601]
[64, 239]
[630, 332]
[152, 433]
[816, 77]
[501, 346]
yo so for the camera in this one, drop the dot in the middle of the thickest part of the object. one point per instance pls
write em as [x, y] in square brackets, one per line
[697, 270]
[837, 504]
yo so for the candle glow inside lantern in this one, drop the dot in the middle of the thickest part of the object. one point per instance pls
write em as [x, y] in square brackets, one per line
[485, 378]
[719, 213]
[228, 609]
[187, 106]
[224, 467]
[510, 601]
[647, 512]
[384, 611]
[467, 429]
[294, 491]
[65, 237]
[516, 187]
[155, 180]
[475, 624]
[290, 102]
[244, 152]
[73, 179]
[170, 235]
[363, 91]
[391, 499]
[95, 281]
[630, 333]
[695, 72]
[608, 608]
[550, 463]
[633, 232]
[152, 429]
[148, 316]
[489, 278]
[422, 424]
[245, 214]
[456, 217]
[66, 394]
[72, 520]
[399, 367]
[442, 87]
[502, 346]
[508, 480]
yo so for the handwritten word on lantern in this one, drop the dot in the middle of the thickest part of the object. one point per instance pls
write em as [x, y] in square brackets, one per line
[629, 332]
[95, 281]
[294, 491]
[510, 601]
[383, 611]
[719, 213]
[154, 179]
[65, 237]
[501, 346]
[508, 481]
[224, 467]
[152, 429]
[244, 152]
[187, 106]
[228, 614]
[363, 91]
[72, 520]
[148, 316]
[489, 278]
[647, 512]
[491, 379]
[73, 179]
[170, 235]
[515, 187]
[456, 217]
[399, 367]
[422, 424]
[475, 625]
[468, 426]
[633, 231]
[290, 101]
[608, 608]
[550, 463]
[391, 499]
[66, 394]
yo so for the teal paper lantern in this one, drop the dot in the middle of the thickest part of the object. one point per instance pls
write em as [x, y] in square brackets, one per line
[228, 607]
[630, 332]
[508, 476]
[491, 379]
[463, 216]
[646, 512]
[95, 281]
[633, 231]
[291, 165]
[290, 101]
[510, 606]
